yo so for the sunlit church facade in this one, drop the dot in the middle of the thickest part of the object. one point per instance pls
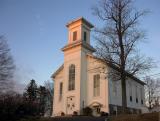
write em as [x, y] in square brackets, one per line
[80, 82]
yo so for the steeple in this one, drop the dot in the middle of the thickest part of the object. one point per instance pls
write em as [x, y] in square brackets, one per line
[79, 34]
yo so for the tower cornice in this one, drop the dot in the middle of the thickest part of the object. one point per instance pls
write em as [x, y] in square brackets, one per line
[80, 19]
[78, 43]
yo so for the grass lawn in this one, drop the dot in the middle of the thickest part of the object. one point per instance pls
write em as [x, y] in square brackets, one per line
[142, 117]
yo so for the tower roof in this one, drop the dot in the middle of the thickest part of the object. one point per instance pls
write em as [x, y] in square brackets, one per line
[80, 19]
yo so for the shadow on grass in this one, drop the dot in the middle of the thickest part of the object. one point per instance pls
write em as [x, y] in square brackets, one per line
[142, 117]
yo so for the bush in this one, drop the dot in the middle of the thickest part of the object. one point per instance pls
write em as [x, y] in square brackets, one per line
[9, 106]
[87, 111]
[104, 113]
[75, 113]
[62, 114]
[13, 107]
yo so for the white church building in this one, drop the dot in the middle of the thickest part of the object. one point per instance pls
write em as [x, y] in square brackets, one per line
[79, 82]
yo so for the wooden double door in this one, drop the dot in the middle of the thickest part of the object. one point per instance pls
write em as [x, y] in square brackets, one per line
[70, 105]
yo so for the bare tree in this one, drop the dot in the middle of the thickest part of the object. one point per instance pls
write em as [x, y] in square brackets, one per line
[49, 103]
[49, 86]
[117, 40]
[6, 66]
[152, 91]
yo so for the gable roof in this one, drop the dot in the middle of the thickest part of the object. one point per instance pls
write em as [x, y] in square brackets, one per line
[57, 71]
[110, 65]
[117, 69]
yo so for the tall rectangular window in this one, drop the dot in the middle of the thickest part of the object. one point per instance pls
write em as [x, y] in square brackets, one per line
[60, 90]
[114, 87]
[130, 90]
[74, 35]
[141, 95]
[96, 85]
[136, 94]
[85, 36]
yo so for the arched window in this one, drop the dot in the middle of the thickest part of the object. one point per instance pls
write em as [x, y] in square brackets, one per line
[71, 83]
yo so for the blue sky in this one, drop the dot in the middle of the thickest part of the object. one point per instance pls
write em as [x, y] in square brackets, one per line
[35, 30]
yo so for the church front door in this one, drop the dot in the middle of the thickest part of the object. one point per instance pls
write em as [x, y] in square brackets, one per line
[96, 111]
[70, 105]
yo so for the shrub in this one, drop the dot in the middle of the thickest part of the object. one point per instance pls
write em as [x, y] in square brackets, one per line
[87, 111]
[75, 113]
[62, 114]
[104, 113]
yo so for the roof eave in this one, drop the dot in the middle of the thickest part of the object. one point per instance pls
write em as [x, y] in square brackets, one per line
[57, 71]
[128, 74]
[80, 18]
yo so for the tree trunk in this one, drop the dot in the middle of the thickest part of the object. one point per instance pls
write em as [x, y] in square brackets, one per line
[150, 105]
[122, 59]
[124, 100]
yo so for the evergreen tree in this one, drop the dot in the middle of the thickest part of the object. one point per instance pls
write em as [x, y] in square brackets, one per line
[31, 91]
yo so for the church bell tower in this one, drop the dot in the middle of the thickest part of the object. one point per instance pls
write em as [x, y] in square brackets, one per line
[75, 65]
[79, 33]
